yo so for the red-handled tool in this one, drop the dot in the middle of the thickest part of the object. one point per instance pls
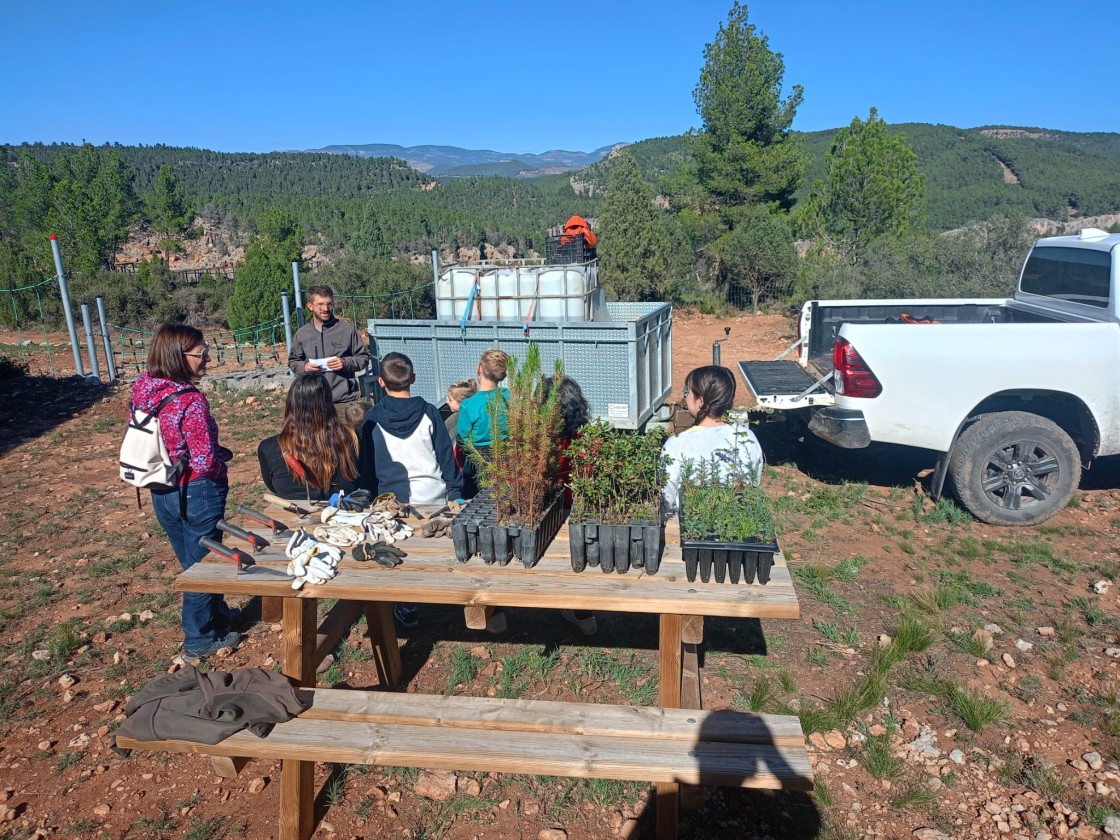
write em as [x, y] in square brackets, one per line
[258, 542]
[279, 529]
[246, 566]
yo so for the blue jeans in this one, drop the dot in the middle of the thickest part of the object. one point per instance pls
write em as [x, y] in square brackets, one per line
[205, 616]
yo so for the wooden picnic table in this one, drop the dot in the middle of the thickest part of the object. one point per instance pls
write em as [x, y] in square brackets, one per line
[431, 575]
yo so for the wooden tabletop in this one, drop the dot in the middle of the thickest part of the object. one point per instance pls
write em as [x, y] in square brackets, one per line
[430, 574]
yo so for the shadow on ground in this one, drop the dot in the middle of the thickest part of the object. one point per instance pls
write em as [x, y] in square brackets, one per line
[31, 406]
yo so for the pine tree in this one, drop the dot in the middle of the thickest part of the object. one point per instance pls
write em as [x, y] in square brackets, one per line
[745, 153]
[633, 241]
[169, 209]
[871, 188]
[266, 270]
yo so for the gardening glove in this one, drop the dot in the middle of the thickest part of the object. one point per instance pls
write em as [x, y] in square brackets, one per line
[311, 561]
[437, 526]
[387, 503]
[384, 554]
[358, 500]
[354, 518]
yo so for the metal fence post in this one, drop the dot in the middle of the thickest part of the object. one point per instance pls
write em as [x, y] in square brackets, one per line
[66, 310]
[287, 320]
[299, 297]
[103, 322]
[435, 274]
[87, 324]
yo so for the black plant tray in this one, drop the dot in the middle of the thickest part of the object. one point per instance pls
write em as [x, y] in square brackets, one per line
[728, 561]
[475, 530]
[616, 548]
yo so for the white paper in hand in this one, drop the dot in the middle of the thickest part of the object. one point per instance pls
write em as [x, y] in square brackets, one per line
[321, 363]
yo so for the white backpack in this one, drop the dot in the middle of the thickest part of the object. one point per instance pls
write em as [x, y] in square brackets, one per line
[145, 461]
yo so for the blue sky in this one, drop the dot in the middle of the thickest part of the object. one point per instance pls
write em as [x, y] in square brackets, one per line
[245, 75]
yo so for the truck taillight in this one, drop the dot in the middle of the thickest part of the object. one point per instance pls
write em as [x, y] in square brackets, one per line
[854, 378]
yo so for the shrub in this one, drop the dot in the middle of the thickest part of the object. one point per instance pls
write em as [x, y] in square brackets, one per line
[10, 368]
[720, 500]
[616, 476]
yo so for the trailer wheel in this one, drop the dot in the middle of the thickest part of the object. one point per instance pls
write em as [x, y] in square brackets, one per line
[1014, 468]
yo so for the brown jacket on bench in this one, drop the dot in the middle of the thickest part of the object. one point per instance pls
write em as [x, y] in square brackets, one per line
[209, 707]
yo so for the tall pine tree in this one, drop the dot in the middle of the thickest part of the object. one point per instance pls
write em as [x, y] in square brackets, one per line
[266, 270]
[872, 187]
[169, 209]
[745, 153]
[633, 241]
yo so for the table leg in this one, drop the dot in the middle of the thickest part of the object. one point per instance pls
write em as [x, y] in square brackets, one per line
[692, 796]
[272, 609]
[297, 778]
[383, 638]
[669, 697]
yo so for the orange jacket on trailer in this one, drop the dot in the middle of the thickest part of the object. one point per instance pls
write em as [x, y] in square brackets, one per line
[575, 226]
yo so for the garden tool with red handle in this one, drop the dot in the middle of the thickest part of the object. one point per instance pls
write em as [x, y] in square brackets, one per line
[258, 542]
[279, 529]
[246, 566]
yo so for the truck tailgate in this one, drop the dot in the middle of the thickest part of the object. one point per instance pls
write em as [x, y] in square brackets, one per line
[785, 384]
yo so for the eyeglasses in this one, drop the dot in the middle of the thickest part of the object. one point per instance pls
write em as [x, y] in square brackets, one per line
[205, 354]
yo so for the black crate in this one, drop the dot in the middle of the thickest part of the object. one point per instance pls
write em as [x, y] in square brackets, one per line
[475, 530]
[566, 249]
[616, 548]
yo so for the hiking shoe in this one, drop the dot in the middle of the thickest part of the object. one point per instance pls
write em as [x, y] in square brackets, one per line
[405, 614]
[496, 623]
[230, 640]
[234, 622]
[585, 621]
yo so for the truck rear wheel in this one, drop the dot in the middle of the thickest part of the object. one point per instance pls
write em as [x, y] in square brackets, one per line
[1015, 468]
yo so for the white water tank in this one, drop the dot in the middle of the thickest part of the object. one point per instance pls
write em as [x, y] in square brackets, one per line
[521, 293]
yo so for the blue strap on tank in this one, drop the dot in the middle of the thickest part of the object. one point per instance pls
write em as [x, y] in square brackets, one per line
[467, 308]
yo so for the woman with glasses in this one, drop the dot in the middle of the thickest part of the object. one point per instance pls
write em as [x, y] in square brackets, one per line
[176, 363]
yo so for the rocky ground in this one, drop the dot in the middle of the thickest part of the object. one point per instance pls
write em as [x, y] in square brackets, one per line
[954, 679]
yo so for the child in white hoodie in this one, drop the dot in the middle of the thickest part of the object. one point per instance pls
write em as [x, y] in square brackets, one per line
[709, 393]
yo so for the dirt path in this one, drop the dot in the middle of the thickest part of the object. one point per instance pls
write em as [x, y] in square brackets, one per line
[80, 567]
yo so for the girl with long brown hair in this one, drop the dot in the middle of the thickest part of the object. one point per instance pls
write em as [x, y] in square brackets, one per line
[315, 454]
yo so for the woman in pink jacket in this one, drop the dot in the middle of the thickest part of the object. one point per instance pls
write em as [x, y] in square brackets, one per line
[176, 363]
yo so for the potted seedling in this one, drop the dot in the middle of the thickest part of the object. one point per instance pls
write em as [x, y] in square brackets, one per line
[726, 524]
[616, 481]
[521, 505]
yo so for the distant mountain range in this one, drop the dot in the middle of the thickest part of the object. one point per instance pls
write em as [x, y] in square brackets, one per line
[454, 162]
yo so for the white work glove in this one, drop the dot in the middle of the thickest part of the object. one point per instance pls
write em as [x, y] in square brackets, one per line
[312, 561]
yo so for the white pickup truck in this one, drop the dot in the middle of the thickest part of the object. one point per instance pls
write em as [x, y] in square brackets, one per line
[1014, 395]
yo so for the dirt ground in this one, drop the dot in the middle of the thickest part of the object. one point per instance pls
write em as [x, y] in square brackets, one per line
[921, 721]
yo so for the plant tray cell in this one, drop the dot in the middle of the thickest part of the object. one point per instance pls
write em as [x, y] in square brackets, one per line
[616, 548]
[728, 561]
[475, 530]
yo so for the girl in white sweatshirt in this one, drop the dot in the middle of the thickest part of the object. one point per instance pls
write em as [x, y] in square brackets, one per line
[709, 393]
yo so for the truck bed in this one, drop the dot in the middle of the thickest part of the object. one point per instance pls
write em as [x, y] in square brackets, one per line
[792, 384]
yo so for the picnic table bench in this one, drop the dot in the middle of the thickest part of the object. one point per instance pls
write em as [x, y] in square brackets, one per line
[671, 744]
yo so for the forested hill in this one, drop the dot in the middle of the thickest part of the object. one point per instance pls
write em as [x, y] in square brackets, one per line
[330, 194]
[971, 174]
[208, 175]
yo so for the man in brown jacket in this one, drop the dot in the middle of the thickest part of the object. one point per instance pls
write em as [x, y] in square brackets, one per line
[329, 346]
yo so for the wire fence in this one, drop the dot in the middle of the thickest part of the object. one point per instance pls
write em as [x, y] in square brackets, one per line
[20, 303]
[416, 303]
[255, 345]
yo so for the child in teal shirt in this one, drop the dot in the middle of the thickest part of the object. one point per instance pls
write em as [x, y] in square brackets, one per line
[474, 412]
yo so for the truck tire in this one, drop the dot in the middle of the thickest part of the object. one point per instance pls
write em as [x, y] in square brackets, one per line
[1014, 468]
